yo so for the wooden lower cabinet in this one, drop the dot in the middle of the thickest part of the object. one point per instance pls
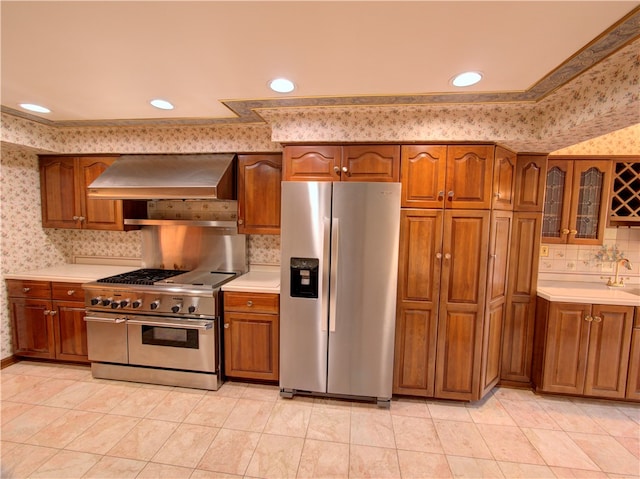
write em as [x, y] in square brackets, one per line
[48, 320]
[252, 335]
[633, 381]
[583, 349]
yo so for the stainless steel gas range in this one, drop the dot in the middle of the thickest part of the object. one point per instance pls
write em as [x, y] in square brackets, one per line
[163, 326]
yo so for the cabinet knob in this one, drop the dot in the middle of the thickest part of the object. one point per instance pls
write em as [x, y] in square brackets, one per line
[46, 312]
[496, 195]
[597, 319]
[26, 290]
[336, 169]
[588, 317]
[71, 292]
[76, 217]
[240, 221]
[52, 313]
[440, 194]
[249, 303]
[439, 255]
[450, 195]
[345, 169]
[81, 218]
[573, 232]
[447, 256]
[565, 231]
[226, 325]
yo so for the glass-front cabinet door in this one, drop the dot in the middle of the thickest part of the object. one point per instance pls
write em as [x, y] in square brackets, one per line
[576, 201]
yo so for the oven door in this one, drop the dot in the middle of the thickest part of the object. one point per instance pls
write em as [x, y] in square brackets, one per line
[107, 338]
[173, 343]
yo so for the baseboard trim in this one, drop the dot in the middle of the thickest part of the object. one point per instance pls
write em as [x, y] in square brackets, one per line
[8, 361]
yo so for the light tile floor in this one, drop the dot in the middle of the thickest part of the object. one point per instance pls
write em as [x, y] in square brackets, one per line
[59, 422]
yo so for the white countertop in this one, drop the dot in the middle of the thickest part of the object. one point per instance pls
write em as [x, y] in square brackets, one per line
[257, 280]
[72, 273]
[591, 293]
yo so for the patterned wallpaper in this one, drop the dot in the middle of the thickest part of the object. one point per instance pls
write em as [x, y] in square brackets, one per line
[621, 142]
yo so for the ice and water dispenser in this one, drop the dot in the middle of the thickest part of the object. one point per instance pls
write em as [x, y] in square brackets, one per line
[304, 277]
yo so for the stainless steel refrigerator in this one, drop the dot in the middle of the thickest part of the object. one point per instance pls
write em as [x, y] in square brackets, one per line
[339, 262]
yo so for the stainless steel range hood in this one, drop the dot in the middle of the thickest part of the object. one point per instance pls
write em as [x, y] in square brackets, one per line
[155, 177]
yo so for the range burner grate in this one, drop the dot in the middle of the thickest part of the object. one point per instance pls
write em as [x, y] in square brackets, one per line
[145, 276]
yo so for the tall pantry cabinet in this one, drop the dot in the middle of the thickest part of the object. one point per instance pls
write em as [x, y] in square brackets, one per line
[454, 252]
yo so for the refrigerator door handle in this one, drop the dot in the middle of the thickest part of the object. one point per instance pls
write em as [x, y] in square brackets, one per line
[324, 291]
[333, 281]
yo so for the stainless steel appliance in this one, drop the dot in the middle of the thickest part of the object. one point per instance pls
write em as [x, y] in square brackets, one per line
[339, 256]
[162, 325]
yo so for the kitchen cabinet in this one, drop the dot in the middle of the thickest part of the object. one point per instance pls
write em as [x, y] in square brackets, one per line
[583, 349]
[48, 320]
[633, 381]
[517, 340]
[259, 178]
[576, 200]
[342, 163]
[455, 176]
[64, 182]
[625, 196]
[251, 335]
[504, 177]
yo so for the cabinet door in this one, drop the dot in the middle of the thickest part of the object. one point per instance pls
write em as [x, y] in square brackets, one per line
[97, 214]
[566, 348]
[251, 344]
[625, 193]
[589, 201]
[557, 200]
[259, 180]
[370, 163]
[609, 345]
[469, 175]
[70, 331]
[60, 200]
[423, 175]
[633, 382]
[418, 289]
[32, 325]
[504, 176]
[462, 300]
[517, 340]
[531, 175]
[499, 243]
[312, 163]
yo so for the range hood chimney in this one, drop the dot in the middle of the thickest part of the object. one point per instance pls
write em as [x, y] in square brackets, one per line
[162, 177]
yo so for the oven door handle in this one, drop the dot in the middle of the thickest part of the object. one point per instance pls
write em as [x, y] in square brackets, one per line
[182, 324]
[100, 319]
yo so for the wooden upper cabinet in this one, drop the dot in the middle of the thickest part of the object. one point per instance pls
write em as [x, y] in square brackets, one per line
[469, 175]
[531, 177]
[576, 201]
[342, 163]
[312, 163]
[259, 188]
[64, 182]
[454, 176]
[504, 177]
[370, 163]
[423, 175]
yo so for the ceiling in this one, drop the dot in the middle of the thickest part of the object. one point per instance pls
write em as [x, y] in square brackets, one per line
[93, 62]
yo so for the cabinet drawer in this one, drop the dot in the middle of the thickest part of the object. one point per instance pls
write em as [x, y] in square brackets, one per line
[28, 289]
[67, 291]
[252, 302]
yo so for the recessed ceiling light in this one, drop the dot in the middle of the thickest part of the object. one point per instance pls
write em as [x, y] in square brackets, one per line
[36, 108]
[281, 85]
[162, 104]
[467, 79]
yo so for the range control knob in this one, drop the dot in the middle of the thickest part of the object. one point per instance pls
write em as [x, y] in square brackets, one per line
[155, 304]
[106, 302]
[175, 308]
[115, 304]
[124, 302]
[95, 300]
[137, 303]
[192, 309]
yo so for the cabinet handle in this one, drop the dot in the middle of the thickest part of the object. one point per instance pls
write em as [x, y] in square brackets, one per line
[336, 169]
[573, 232]
[597, 319]
[46, 312]
[447, 256]
[440, 194]
[450, 195]
[52, 313]
[588, 317]
[81, 218]
[26, 290]
[226, 325]
[76, 218]
[249, 303]
[565, 231]
[496, 195]
[494, 255]
[71, 292]
[439, 255]
[240, 221]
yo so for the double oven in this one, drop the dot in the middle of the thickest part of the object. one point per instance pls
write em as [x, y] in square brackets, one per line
[161, 325]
